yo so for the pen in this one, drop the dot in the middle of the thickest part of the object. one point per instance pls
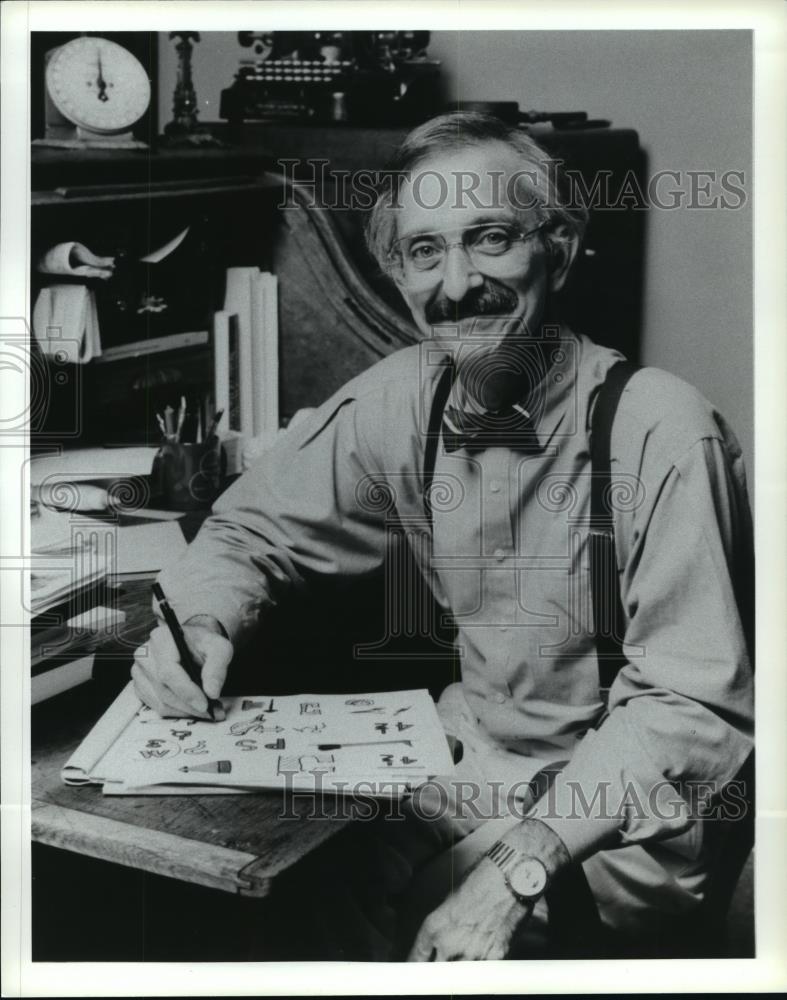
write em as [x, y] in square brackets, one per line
[213, 425]
[181, 417]
[188, 662]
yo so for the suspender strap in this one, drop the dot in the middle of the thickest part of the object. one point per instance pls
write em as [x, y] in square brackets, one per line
[608, 617]
[433, 435]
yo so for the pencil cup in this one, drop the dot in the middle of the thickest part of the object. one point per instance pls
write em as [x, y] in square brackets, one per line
[189, 474]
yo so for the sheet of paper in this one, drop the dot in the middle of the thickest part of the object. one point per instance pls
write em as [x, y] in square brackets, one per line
[380, 743]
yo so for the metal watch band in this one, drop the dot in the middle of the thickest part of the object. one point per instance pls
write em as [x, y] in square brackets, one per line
[501, 854]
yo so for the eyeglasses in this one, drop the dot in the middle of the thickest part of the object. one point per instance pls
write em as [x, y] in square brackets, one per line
[483, 245]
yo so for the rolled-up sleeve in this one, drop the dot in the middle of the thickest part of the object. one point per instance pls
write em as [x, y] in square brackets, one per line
[681, 709]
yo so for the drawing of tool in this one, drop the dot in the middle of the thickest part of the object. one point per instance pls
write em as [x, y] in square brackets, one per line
[364, 711]
[247, 704]
[187, 661]
[278, 745]
[214, 767]
[369, 743]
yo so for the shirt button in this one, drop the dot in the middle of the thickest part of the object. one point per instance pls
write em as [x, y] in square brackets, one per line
[494, 486]
[498, 697]
[499, 554]
[504, 628]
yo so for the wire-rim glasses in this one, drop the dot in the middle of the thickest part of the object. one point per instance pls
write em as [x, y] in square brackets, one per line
[483, 244]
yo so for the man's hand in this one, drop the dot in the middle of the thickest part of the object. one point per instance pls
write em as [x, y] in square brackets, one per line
[162, 683]
[476, 922]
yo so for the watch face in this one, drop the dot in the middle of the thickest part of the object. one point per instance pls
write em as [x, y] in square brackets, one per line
[98, 85]
[528, 878]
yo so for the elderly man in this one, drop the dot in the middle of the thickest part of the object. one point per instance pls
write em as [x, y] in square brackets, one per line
[479, 240]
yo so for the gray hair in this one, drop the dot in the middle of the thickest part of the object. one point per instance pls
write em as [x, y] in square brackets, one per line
[545, 182]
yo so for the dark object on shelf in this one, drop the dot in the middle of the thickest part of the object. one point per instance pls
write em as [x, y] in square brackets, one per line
[363, 77]
[184, 129]
[508, 111]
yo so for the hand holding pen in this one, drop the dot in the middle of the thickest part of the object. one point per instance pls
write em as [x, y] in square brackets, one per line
[166, 673]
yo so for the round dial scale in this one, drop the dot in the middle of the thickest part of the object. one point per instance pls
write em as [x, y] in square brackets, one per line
[98, 85]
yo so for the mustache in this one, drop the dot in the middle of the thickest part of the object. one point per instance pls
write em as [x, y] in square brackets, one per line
[489, 299]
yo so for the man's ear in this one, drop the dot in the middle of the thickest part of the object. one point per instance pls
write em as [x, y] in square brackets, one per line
[562, 248]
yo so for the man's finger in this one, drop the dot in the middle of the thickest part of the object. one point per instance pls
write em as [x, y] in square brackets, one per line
[158, 697]
[168, 670]
[186, 700]
[218, 654]
[423, 947]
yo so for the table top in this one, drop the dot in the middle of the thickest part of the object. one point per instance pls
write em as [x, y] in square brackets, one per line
[238, 843]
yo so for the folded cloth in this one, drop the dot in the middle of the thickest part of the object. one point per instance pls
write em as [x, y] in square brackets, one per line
[65, 323]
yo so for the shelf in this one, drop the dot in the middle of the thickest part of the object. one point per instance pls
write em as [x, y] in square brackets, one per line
[157, 345]
[95, 194]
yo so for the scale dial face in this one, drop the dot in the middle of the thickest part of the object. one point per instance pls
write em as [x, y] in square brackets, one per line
[98, 85]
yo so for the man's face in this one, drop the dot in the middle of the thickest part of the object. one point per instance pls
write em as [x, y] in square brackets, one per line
[478, 303]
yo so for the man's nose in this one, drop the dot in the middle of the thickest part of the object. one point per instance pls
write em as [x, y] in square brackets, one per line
[459, 273]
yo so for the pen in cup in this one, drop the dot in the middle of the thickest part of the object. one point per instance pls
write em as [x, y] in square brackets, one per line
[214, 425]
[187, 661]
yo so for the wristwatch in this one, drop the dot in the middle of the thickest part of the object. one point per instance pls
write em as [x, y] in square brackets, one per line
[526, 877]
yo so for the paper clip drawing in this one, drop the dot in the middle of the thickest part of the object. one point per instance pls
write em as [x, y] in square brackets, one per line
[359, 701]
[246, 744]
[214, 767]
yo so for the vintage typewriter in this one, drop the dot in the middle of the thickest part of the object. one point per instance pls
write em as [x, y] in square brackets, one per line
[360, 77]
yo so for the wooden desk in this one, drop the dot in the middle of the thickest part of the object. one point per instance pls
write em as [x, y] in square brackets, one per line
[237, 843]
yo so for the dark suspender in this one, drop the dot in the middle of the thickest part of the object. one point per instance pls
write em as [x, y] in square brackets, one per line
[433, 435]
[608, 617]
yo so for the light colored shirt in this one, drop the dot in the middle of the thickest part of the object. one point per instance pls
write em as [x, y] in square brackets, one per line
[508, 559]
